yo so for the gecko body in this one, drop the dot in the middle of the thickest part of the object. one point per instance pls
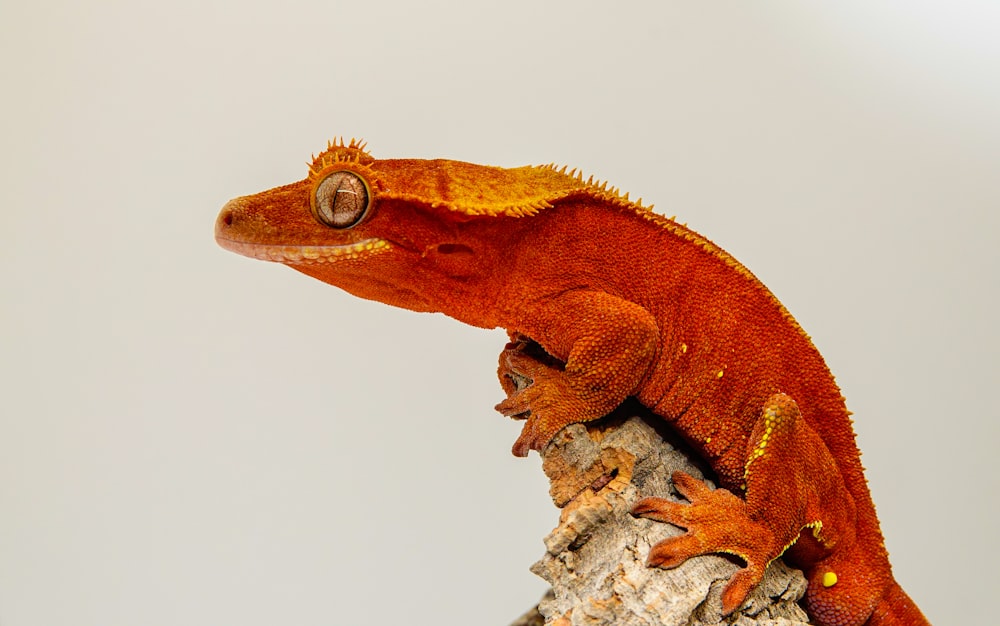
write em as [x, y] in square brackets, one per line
[629, 304]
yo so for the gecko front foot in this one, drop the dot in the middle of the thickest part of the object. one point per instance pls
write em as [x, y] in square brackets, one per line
[716, 522]
[547, 404]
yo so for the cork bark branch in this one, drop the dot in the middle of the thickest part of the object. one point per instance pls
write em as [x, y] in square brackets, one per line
[595, 557]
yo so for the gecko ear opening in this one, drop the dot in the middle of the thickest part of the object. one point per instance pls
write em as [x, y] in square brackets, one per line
[341, 199]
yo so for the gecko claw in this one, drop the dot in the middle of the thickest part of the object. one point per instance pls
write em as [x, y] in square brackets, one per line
[521, 448]
[513, 409]
[529, 439]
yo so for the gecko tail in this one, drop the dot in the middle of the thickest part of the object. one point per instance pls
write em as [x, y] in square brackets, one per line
[895, 608]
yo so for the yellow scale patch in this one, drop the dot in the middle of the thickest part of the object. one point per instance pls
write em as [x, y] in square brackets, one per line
[771, 421]
[816, 527]
[320, 254]
[323, 254]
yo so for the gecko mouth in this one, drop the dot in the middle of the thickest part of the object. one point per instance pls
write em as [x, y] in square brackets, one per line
[305, 255]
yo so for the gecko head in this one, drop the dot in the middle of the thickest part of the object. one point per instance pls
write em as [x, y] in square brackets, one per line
[310, 222]
[315, 221]
[407, 232]
[330, 225]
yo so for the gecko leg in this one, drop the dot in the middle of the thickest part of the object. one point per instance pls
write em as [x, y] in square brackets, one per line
[792, 485]
[588, 351]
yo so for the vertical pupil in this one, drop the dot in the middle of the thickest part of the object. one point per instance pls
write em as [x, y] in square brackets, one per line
[341, 199]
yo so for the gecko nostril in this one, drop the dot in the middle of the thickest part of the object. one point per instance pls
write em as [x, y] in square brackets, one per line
[227, 218]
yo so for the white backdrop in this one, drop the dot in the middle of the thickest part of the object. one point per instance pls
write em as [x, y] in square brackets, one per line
[189, 437]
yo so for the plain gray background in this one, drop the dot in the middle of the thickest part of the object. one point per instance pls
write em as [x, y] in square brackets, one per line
[189, 437]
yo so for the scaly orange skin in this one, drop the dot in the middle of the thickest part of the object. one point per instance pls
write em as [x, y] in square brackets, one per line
[633, 304]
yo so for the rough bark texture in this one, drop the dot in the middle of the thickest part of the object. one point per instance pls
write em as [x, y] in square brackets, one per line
[595, 557]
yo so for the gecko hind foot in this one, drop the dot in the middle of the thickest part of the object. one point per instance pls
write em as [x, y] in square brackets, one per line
[716, 522]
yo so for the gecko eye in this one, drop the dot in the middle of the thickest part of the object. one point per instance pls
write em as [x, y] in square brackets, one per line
[341, 199]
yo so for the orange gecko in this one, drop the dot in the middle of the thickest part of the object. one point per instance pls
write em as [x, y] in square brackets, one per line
[629, 303]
